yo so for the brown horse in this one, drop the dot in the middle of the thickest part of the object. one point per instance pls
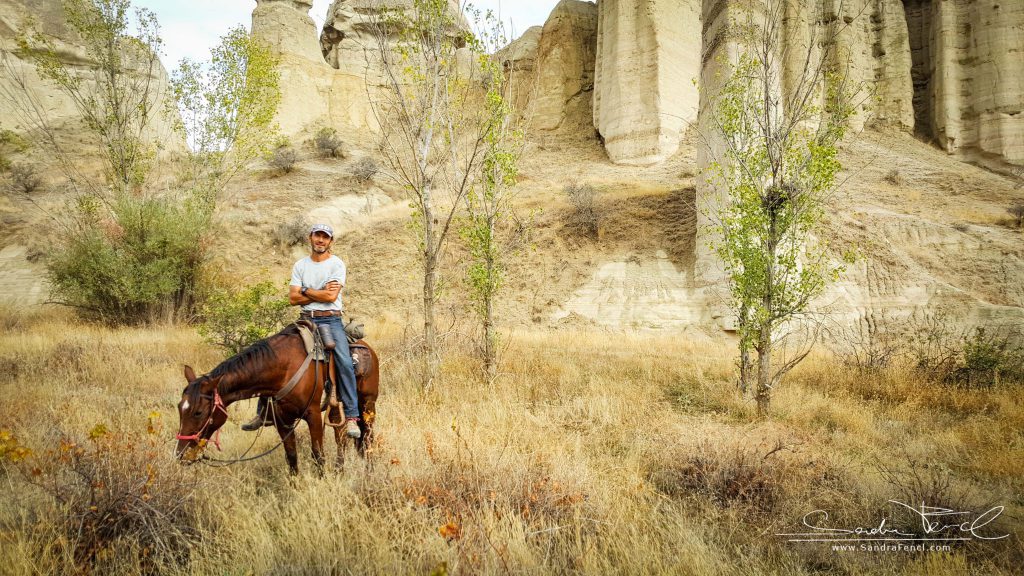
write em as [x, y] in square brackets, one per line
[263, 369]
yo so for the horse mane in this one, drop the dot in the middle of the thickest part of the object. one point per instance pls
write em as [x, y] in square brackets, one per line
[246, 364]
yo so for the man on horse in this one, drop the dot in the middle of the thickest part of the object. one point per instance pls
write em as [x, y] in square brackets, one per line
[316, 285]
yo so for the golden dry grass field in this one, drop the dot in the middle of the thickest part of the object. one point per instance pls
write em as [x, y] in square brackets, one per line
[592, 453]
[596, 450]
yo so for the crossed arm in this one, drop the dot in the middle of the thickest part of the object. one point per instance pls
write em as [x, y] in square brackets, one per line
[329, 293]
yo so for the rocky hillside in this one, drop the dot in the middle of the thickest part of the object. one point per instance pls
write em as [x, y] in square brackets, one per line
[612, 103]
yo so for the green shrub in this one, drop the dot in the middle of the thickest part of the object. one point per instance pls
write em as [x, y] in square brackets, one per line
[990, 356]
[10, 143]
[982, 357]
[328, 143]
[234, 320]
[134, 260]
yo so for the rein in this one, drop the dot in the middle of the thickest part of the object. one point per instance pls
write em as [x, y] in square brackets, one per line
[218, 404]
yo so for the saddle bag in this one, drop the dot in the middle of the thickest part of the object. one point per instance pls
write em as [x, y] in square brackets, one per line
[354, 330]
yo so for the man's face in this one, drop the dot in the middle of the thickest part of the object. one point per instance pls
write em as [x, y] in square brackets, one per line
[320, 242]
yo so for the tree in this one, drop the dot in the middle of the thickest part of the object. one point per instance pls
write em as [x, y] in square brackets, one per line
[779, 165]
[117, 99]
[433, 126]
[129, 253]
[489, 202]
[227, 108]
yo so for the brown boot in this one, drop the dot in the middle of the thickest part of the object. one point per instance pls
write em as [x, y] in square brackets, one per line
[261, 419]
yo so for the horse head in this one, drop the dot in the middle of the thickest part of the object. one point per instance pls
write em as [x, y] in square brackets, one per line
[201, 413]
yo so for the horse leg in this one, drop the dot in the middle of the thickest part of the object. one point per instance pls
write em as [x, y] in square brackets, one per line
[365, 442]
[287, 434]
[316, 437]
[334, 415]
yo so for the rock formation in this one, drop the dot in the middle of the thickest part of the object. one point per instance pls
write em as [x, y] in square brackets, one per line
[967, 75]
[519, 59]
[306, 81]
[26, 98]
[648, 56]
[347, 43]
[873, 51]
[565, 75]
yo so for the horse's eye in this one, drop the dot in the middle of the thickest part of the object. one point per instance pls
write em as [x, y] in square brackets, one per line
[196, 413]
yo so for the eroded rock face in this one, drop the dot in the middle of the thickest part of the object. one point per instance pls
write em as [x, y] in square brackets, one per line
[306, 81]
[968, 75]
[55, 106]
[648, 56]
[872, 48]
[348, 46]
[565, 75]
[519, 59]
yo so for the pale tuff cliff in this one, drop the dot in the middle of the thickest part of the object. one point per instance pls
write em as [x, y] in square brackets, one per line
[565, 79]
[647, 62]
[630, 69]
[27, 99]
[327, 82]
[968, 74]
[306, 81]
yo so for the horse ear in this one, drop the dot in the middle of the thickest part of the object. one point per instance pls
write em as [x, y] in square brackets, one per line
[190, 375]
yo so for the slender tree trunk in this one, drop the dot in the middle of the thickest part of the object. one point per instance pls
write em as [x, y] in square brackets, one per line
[429, 330]
[764, 372]
[490, 337]
[746, 367]
[429, 292]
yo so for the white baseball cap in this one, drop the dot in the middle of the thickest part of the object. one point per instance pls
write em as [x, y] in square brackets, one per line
[325, 228]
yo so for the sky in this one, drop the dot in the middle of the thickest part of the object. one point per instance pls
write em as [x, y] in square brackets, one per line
[191, 27]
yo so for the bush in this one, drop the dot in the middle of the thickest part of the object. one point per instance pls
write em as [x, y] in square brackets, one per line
[1017, 211]
[868, 346]
[729, 477]
[982, 357]
[136, 261]
[10, 143]
[291, 233]
[236, 319]
[584, 216]
[365, 170]
[113, 495]
[895, 178]
[24, 179]
[283, 159]
[328, 143]
[990, 355]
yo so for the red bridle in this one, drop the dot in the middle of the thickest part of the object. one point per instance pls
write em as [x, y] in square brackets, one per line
[218, 404]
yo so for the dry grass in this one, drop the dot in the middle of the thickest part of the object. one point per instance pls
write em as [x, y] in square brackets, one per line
[592, 453]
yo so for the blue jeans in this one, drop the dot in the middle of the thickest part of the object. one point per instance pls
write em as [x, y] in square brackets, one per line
[346, 375]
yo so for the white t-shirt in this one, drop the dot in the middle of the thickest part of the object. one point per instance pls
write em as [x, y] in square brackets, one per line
[315, 275]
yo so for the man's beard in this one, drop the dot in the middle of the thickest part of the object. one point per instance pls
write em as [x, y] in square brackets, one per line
[321, 249]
